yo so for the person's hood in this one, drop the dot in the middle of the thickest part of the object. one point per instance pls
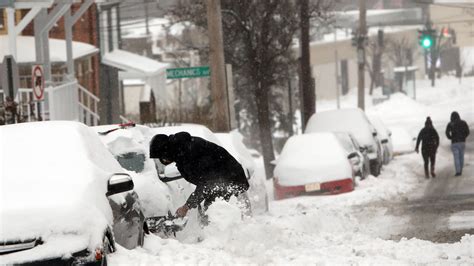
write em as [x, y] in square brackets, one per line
[159, 146]
[455, 117]
[428, 122]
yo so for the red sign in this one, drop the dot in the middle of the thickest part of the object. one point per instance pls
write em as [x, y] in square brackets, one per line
[37, 78]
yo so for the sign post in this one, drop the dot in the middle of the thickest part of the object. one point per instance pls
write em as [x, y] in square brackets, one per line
[37, 80]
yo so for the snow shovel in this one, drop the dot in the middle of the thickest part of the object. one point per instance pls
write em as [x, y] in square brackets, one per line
[120, 126]
[167, 225]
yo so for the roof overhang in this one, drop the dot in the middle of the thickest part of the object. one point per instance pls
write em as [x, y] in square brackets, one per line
[133, 65]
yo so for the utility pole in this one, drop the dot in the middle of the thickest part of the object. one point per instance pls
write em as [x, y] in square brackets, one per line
[307, 90]
[361, 54]
[216, 57]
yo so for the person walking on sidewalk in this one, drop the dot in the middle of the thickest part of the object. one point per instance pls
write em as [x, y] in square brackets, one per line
[457, 131]
[429, 139]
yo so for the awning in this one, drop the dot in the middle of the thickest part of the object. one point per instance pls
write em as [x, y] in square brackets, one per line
[57, 49]
[131, 62]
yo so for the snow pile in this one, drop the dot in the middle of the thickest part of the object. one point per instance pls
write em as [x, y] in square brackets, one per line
[315, 157]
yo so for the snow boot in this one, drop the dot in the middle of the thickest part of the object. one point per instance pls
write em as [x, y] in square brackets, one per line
[433, 172]
[427, 174]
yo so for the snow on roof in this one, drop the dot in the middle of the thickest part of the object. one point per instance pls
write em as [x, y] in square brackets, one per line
[26, 52]
[405, 69]
[344, 35]
[315, 157]
[137, 28]
[66, 166]
[133, 82]
[132, 62]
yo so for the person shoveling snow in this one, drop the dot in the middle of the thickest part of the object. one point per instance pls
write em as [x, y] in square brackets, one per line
[213, 171]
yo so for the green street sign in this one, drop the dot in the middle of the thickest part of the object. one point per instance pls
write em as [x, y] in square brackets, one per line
[187, 72]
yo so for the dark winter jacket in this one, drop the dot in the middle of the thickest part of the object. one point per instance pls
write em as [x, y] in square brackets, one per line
[202, 163]
[429, 138]
[457, 130]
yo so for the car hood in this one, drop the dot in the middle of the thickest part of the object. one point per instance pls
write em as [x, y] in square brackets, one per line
[55, 246]
[55, 220]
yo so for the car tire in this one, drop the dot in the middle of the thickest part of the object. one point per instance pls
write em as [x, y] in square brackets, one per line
[108, 248]
[375, 169]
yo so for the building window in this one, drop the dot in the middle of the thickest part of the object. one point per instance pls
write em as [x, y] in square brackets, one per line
[2, 19]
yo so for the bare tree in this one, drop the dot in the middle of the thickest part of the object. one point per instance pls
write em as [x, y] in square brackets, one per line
[258, 42]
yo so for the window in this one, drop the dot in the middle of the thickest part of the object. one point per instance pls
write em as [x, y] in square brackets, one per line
[132, 161]
[3, 18]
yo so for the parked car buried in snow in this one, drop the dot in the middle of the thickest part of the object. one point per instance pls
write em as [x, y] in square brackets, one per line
[359, 159]
[233, 143]
[65, 200]
[351, 120]
[403, 142]
[313, 163]
[159, 191]
[385, 137]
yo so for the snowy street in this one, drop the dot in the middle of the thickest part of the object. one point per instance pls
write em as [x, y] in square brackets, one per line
[399, 217]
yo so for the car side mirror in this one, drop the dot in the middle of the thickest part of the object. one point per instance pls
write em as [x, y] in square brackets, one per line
[119, 183]
[384, 141]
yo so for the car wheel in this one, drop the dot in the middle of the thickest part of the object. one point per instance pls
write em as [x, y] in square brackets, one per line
[375, 169]
[107, 249]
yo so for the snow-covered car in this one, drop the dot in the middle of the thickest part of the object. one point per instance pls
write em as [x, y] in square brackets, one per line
[312, 163]
[233, 143]
[130, 147]
[351, 120]
[403, 142]
[65, 200]
[361, 162]
[385, 137]
[157, 193]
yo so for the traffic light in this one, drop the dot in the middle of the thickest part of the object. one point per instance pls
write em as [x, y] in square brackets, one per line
[426, 41]
[427, 38]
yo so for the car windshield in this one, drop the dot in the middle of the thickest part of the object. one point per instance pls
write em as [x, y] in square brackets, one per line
[132, 161]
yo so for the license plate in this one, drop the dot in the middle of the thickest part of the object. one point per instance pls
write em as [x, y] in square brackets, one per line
[312, 187]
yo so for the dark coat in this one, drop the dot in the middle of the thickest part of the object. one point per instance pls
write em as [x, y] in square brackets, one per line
[429, 139]
[205, 165]
[457, 130]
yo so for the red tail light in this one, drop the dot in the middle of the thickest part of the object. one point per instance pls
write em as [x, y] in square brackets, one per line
[99, 254]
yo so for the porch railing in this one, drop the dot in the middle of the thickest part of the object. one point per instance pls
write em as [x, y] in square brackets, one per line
[69, 101]
[88, 107]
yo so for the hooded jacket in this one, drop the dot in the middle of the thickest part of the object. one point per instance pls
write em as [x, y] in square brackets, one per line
[200, 162]
[457, 130]
[429, 137]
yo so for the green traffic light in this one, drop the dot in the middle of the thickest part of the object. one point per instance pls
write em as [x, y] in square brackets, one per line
[426, 42]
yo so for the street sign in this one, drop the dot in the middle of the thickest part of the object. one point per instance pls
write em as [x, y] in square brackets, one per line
[37, 80]
[188, 72]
